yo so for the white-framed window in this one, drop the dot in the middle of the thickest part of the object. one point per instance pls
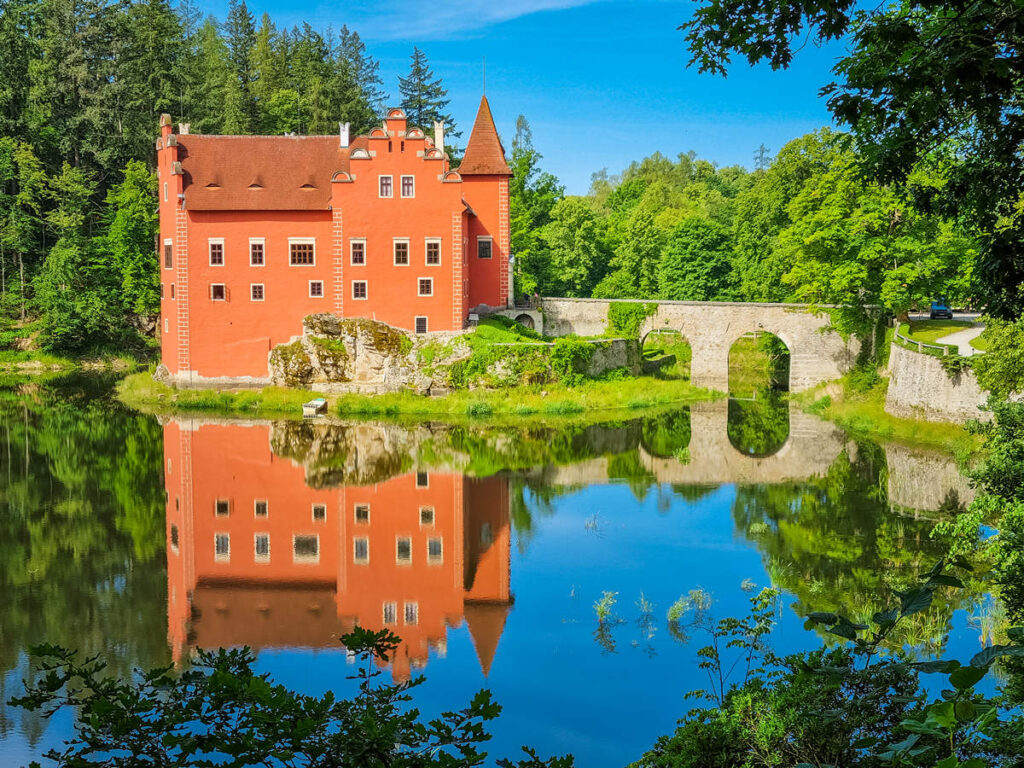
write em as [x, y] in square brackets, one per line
[302, 251]
[484, 247]
[425, 286]
[359, 289]
[389, 613]
[256, 291]
[408, 186]
[216, 246]
[168, 254]
[362, 514]
[222, 508]
[316, 289]
[361, 550]
[421, 324]
[422, 479]
[357, 251]
[412, 613]
[401, 251]
[165, 191]
[257, 252]
[385, 186]
[218, 292]
[432, 255]
[435, 550]
[222, 547]
[403, 550]
[305, 548]
[260, 508]
[261, 547]
[319, 513]
[427, 516]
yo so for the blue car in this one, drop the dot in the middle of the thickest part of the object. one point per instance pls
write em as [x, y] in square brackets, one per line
[940, 309]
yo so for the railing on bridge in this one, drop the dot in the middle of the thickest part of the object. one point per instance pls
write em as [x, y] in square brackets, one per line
[936, 350]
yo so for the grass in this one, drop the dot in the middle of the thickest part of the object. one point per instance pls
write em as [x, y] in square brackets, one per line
[930, 331]
[981, 343]
[625, 396]
[862, 414]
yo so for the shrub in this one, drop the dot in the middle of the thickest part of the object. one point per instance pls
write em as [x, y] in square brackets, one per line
[626, 317]
[569, 360]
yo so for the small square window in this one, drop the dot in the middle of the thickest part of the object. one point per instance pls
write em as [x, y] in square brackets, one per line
[435, 550]
[390, 613]
[421, 325]
[486, 535]
[386, 189]
[256, 253]
[433, 253]
[361, 550]
[306, 548]
[216, 253]
[408, 186]
[426, 515]
[256, 291]
[319, 512]
[222, 546]
[357, 249]
[403, 549]
[412, 613]
[483, 247]
[401, 253]
[316, 289]
[426, 286]
[168, 255]
[302, 253]
[359, 289]
[262, 546]
[363, 514]
[422, 479]
[222, 508]
[218, 292]
[261, 508]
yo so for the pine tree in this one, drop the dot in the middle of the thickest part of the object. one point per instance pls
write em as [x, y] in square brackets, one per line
[269, 64]
[240, 37]
[363, 101]
[424, 97]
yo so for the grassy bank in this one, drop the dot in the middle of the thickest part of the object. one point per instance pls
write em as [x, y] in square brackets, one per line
[861, 412]
[623, 395]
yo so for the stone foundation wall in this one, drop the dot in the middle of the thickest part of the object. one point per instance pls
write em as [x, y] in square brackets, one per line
[919, 388]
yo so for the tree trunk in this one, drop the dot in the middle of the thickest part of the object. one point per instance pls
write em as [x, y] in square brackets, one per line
[21, 272]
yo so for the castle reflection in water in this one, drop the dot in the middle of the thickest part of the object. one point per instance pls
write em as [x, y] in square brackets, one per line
[258, 557]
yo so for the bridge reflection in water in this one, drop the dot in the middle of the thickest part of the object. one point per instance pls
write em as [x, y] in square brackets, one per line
[257, 557]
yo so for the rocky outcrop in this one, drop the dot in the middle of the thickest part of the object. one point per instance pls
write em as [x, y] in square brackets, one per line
[357, 355]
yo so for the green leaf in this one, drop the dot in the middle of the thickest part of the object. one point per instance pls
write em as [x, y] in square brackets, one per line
[965, 710]
[923, 729]
[821, 617]
[986, 657]
[941, 665]
[1016, 634]
[948, 762]
[966, 677]
[885, 618]
[960, 562]
[844, 630]
[915, 601]
[945, 580]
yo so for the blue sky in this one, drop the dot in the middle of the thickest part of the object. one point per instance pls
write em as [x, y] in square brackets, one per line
[601, 83]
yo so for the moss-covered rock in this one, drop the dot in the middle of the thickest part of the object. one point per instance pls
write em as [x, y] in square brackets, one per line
[290, 364]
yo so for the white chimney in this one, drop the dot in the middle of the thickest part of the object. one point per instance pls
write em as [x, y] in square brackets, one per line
[343, 134]
[183, 128]
[439, 135]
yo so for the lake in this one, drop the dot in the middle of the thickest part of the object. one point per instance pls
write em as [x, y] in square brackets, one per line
[485, 547]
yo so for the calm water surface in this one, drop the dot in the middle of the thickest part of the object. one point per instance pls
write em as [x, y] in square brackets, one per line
[484, 548]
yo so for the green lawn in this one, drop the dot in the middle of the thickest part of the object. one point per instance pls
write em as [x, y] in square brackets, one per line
[981, 343]
[930, 331]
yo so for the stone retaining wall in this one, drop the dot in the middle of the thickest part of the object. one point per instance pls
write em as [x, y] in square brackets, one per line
[919, 388]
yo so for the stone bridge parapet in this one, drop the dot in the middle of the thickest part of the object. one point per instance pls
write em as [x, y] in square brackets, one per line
[818, 353]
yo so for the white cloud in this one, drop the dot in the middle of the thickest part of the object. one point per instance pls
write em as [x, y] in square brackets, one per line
[444, 19]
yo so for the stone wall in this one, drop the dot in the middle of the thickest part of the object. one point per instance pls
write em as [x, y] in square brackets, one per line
[920, 388]
[817, 352]
[925, 480]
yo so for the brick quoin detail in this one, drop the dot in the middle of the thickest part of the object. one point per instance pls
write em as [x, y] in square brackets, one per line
[503, 236]
[339, 262]
[459, 300]
[182, 290]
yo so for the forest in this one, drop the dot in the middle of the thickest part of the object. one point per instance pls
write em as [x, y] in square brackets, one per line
[85, 81]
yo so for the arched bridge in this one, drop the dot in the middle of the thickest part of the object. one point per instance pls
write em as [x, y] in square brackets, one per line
[817, 352]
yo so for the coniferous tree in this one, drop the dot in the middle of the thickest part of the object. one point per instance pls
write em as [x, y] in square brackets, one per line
[424, 97]
[363, 101]
[240, 37]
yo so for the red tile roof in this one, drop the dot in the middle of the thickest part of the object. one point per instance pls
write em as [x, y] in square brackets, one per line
[484, 154]
[269, 173]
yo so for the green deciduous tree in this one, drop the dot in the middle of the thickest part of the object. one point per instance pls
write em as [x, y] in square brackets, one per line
[697, 262]
[577, 253]
[127, 249]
